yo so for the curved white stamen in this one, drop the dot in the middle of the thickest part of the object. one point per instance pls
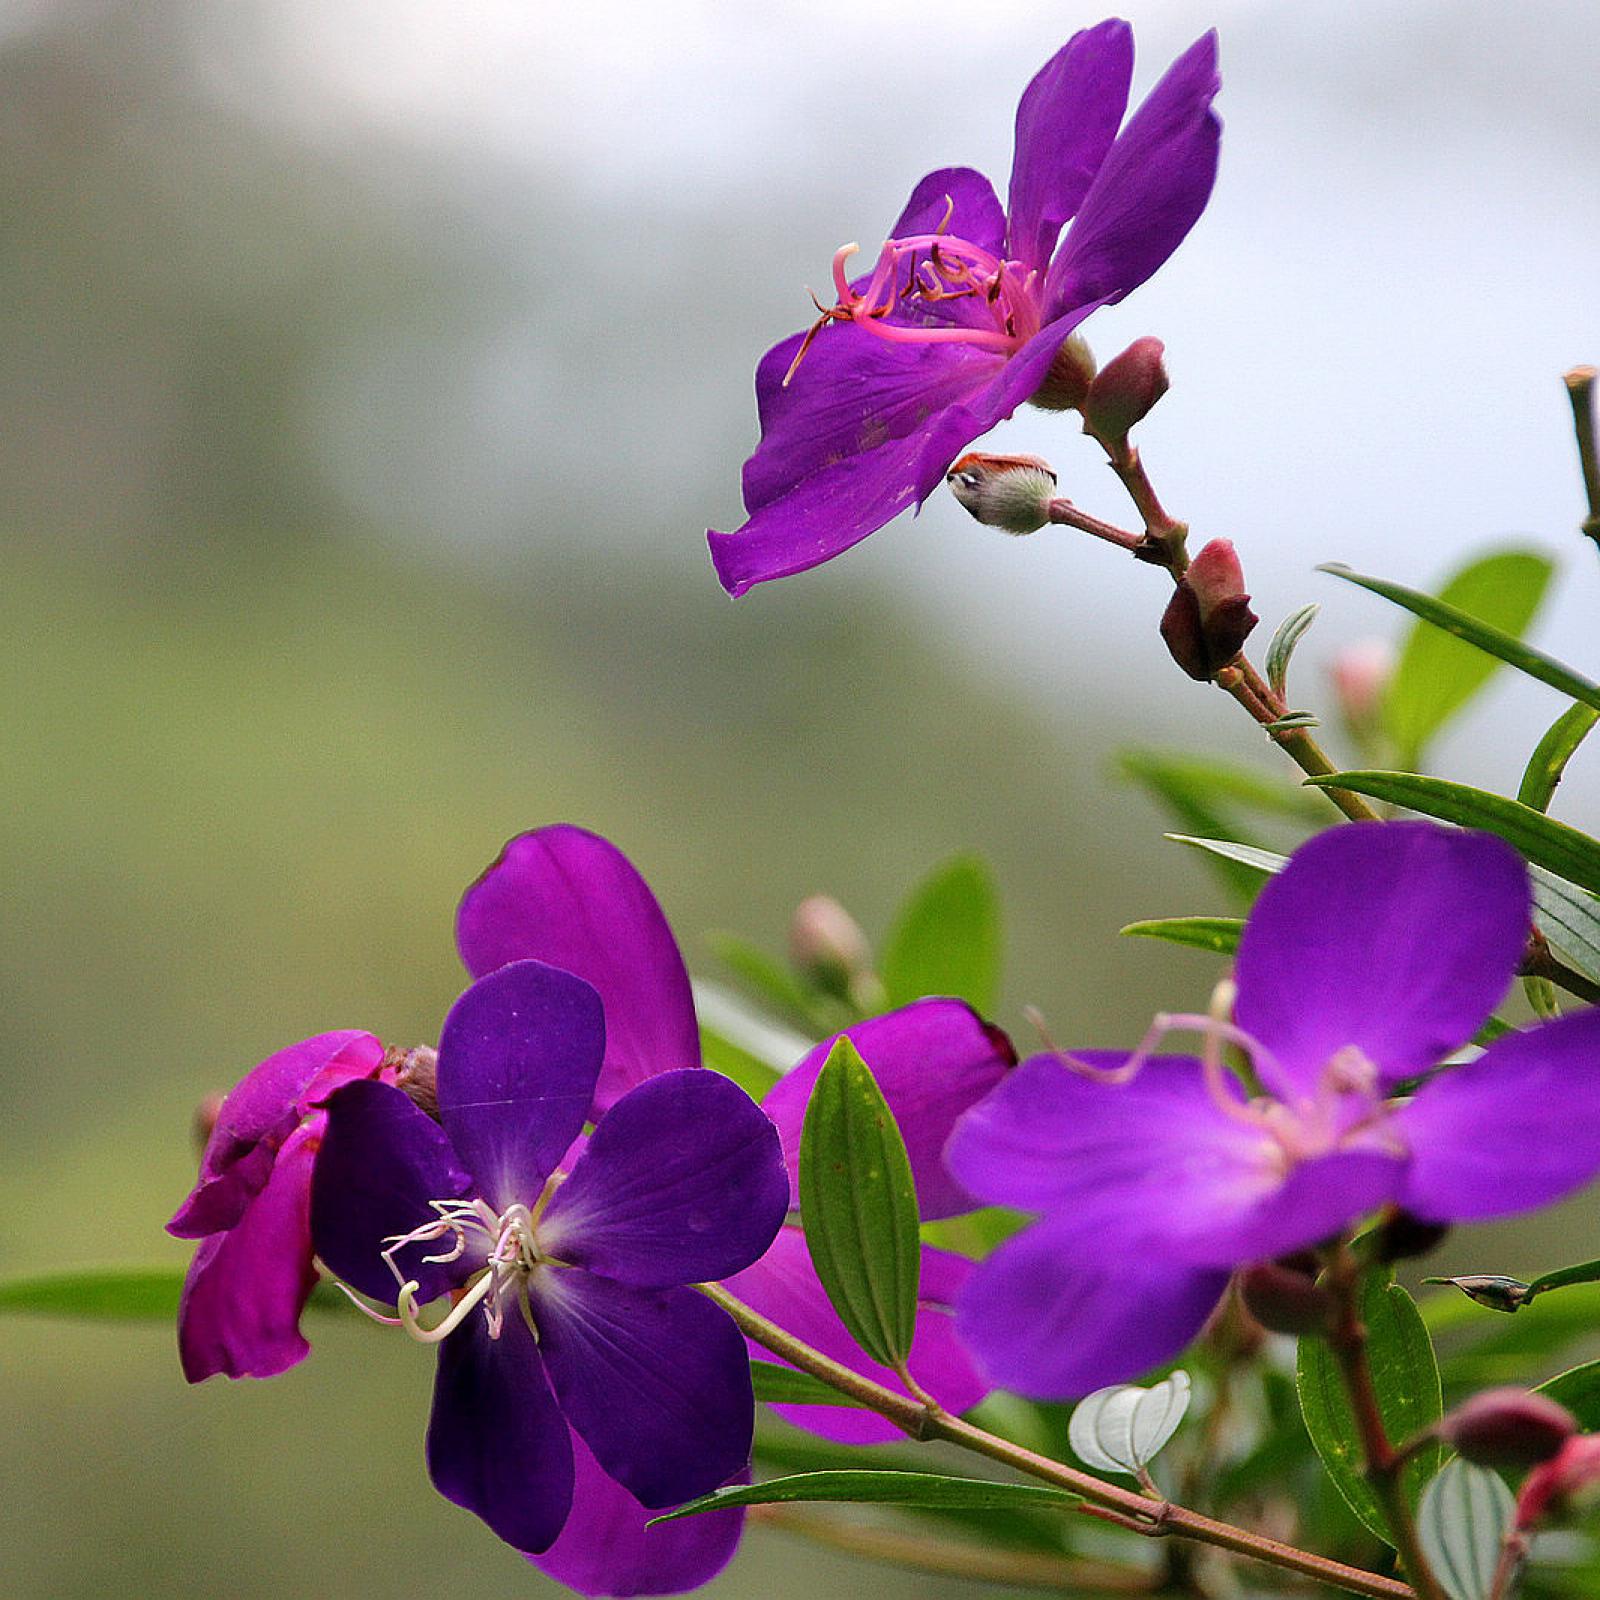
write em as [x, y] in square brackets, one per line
[458, 1313]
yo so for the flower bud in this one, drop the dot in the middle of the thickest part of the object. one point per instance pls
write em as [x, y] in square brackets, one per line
[1066, 384]
[205, 1118]
[417, 1075]
[1126, 389]
[1550, 1490]
[1284, 1298]
[1402, 1235]
[1012, 493]
[826, 944]
[1361, 674]
[1209, 618]
[1508, 1428]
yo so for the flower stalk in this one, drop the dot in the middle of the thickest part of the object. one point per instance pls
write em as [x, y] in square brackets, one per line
[1580, 384]
[1140, 1513]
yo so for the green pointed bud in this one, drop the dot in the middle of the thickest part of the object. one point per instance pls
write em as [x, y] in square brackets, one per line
[1209, 618]
[1012, 493]
[1126, 390]
[1507, 1428]
[1066, 384]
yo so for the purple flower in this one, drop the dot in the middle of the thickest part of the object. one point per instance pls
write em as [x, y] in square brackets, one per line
[250, 1210]
[1377, 952]
[569, 1311]
[969, 303]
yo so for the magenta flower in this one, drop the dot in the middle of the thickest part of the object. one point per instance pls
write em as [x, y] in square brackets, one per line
[569, 1307]
[251, 1211]
[969, 303]
[1379, 951]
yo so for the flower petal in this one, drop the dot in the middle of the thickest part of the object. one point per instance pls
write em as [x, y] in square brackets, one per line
[606, 1549]
[783, 1285]
[681, 1182]
[1517, 1128]
[656, 1381]
[497, 1442]
[933, 1060]
[1052, 1316]
[261, 1111]
[240, 1310]
[569, 898]
[1149, 190]
[1067, 118]
[381, 1164]
[519, 1055]
[1397, 938]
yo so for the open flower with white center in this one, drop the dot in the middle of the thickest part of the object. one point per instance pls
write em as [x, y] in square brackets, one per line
[562, 1277]
[1374, 956]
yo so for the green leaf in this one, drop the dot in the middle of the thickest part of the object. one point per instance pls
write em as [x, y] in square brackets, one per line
[1534, 663]
[1247, 855]
[732, 1060]
[879, 1488]
[1570, 919]
[1405, 1376]
[859, 1207]
[1578, 1389]
[1464, 1517]
[1290, 631]
[1547, 843]
[946, 939]
[768, 980]
[1565, 1277]
[1486, 1349]
[788, 1386]
[1438, 673]
[1220, 935]
[117, 1294]
[1552, 753]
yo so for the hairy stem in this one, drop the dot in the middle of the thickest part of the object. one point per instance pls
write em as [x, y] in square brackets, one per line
[1143, 1513]
[1580, 390]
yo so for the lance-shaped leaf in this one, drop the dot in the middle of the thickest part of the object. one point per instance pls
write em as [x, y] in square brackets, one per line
[1578, 1389]
[1220, 935]
[1247, 855]
[880, 1488]
[1405, 1377]
[780, 1385]
[1121, 1428]
[946, 939]
[1290, 632]
[1552, 753]
[128, 1294]
[1535, 663]
[858, 1204]
[1565, 851]
[1462, 1522]
[1570, 919]
[1438, 673]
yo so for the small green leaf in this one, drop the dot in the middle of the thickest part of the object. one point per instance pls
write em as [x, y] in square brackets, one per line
[788, 1386]
[1578, 1389]
[116, 1294]
[1247, 855]
[1462, 1522]
[1570, 919]
[1290, 632]
[946, 939]
[1437, 673]
[859, 1207]
[1219, 935]
[769, 981]
[1566, 852]
[879, 1488]
[721, 1054]
[1122, 1428]
[1534, 663]
[1565, 1277]
[1405, 1376]
[1552, 753]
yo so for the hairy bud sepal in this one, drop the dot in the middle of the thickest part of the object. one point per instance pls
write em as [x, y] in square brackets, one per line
[1126, 389]
[1012, 493]
[1072, 373]
[1209, 618]
[1507, 1428]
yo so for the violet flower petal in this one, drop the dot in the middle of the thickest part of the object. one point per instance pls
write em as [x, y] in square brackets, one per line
[1053, 1316]
[783, 1285]
[933, 1060]
[656, 1381]
[239, 1313]
[1397, 938]
[682, 1181]
[1149, 190]
[519, 1055]
[497, 1442]
[1066, 121]
[1519, 1127]
[261, 1111]
[381, 1164]
[571, 899]
[606, 1549]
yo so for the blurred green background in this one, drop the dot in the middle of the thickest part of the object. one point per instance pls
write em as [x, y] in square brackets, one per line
[356, 457]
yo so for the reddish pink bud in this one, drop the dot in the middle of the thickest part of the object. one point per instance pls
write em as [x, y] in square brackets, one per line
[1285, 1299]
[1508, 1428]
[826, 944]
[1209, 618]
[1550, 1490]
[1126, 389]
